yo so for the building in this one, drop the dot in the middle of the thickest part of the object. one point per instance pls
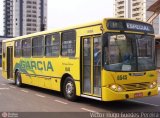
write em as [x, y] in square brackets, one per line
[8, 18]
[157, 53]
[155, 8]
[23, 17]
[136, 9]
[122, 8]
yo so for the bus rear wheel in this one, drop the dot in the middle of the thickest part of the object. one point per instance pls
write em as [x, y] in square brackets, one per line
[18, 80]
[69, 89]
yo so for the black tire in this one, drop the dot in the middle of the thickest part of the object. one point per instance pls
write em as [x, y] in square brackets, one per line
[69, 89]
[18, 79]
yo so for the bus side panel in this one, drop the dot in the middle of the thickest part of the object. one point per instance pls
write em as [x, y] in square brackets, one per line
[4, 69]
[4, 74]
[34, 80]
[38, 81]
[55, 84]
[78, 89]
[25, 79]
[47, 72]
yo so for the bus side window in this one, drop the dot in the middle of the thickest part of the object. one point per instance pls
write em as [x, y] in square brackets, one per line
[69, 43]
[26, 47]
[52, 44]
[4, 50]
[18, 48]
[38, 46]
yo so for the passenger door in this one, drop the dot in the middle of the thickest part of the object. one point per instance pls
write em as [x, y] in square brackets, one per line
[10, 62]
[91, 65]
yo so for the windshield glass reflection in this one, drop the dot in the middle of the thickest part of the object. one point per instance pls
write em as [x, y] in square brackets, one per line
[128, 52]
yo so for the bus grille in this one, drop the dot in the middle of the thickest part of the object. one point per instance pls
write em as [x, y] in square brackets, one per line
[136, 86]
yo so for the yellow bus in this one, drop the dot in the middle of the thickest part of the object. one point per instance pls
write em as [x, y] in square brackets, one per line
[108, 60]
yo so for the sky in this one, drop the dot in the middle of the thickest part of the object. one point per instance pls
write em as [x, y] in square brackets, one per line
[64, 13]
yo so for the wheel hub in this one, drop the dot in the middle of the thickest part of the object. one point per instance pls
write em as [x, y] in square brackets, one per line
[69, 88]
[18, 82]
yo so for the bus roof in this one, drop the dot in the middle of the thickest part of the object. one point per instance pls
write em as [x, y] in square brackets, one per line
[68, 28]
[54, 30]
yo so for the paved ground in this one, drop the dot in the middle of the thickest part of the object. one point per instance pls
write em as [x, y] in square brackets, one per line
[33, 99]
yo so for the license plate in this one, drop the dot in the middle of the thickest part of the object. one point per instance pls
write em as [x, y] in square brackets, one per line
[138, 95]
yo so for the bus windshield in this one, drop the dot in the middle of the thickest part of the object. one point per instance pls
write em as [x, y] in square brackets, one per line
[128, 52]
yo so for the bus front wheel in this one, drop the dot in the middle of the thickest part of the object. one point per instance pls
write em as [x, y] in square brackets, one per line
[18, 79]
[69, 89]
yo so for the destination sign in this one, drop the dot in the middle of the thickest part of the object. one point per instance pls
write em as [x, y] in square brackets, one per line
[130, 26]
[139, 26]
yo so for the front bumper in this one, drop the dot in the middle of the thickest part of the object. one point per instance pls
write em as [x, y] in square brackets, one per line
[110, 95]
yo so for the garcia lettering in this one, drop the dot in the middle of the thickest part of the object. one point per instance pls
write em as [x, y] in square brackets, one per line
[37, 65]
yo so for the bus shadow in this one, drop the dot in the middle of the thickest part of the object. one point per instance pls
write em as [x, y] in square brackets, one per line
[41, 90]
[114, 106]
[119, 106]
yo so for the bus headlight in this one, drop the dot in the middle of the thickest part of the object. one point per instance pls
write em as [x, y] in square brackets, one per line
[153, 85]
[113, 87]
[116, 88]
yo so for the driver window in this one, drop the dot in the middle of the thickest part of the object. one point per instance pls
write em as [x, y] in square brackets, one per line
[144, 47]
[114, 52]
[119, 49]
